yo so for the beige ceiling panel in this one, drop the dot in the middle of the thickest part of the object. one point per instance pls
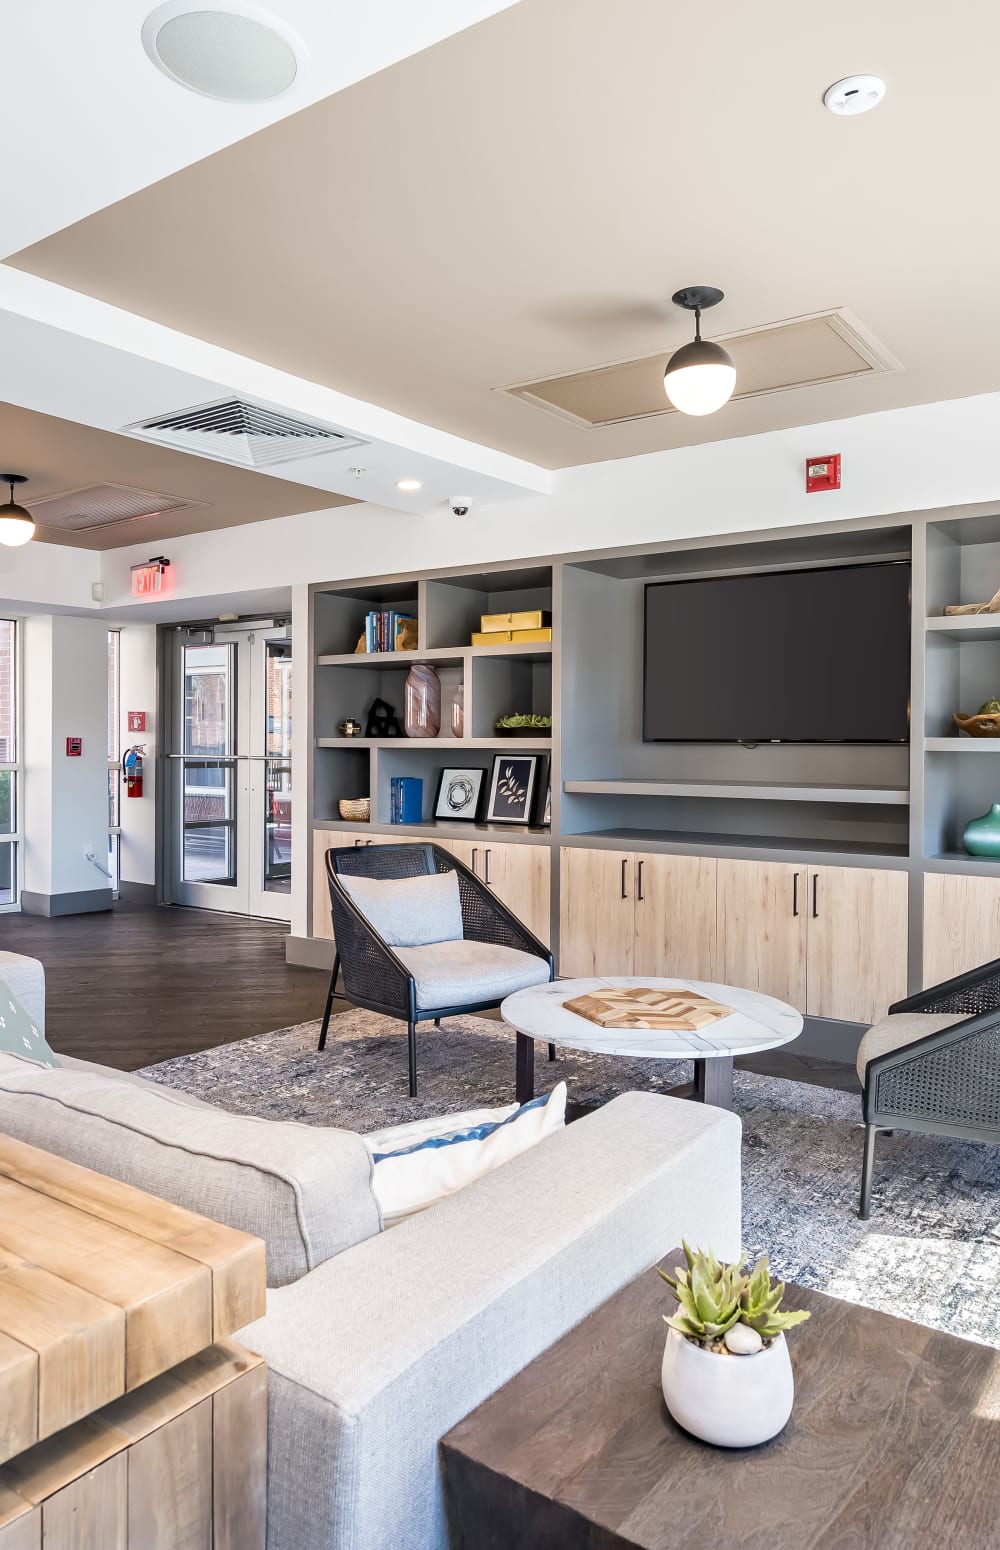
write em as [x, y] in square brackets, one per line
[802, 352]
[519, 202]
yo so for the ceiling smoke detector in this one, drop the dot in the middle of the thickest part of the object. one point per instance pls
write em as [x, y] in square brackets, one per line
[854, 94]
[225, 50]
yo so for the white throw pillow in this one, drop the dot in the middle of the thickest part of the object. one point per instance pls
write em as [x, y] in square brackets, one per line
[425, 1161]
[410, 911]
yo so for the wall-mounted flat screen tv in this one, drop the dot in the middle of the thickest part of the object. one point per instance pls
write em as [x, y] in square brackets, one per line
[798, 656]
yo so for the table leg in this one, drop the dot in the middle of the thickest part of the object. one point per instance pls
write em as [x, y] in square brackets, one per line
[525, 1067]
[713, 1081]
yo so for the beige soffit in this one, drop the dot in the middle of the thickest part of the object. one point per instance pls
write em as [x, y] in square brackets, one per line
[97, 489]
[802, 352]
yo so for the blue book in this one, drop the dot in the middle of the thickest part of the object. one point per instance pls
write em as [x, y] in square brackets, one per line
[406, 799]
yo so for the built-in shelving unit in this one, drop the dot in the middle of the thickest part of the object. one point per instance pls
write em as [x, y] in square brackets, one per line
[858, 811]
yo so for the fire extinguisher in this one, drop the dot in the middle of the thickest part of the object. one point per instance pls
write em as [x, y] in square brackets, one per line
[132, 770]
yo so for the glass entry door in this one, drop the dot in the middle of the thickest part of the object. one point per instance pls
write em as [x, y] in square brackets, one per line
[229, 771]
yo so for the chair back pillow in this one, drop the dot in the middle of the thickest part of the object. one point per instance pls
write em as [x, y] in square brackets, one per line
[306, 1190]
[410, 911]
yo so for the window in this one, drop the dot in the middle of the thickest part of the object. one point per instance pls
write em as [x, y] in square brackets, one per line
[114, 756]
[10, 795]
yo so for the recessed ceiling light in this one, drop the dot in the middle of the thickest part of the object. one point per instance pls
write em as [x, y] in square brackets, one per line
[408, 484]
[854, 94]
[226, 50]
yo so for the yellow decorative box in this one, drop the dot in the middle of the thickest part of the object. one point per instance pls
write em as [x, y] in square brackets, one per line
[507, 637]
[529, 619]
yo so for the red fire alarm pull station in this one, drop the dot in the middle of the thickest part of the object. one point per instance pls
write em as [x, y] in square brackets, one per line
[74, 747]
[137, 721]
[823, 473]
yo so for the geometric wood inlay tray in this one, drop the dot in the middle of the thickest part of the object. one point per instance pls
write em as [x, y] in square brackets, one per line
[636, 1006]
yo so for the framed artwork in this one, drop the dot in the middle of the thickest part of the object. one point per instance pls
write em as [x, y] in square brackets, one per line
[547, 809]
[458, 795]
[513, 786]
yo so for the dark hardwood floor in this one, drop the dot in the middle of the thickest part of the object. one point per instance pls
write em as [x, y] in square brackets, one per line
[138, 984]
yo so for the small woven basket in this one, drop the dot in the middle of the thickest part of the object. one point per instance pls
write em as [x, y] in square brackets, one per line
[355, 809]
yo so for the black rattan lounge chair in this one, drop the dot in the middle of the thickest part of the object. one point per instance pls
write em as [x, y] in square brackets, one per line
[375, 977]
[937, 1072]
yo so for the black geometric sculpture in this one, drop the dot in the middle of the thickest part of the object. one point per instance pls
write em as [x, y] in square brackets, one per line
[382, 721]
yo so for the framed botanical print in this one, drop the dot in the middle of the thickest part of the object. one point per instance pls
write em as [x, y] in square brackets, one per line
[458, 795]
[513, 784]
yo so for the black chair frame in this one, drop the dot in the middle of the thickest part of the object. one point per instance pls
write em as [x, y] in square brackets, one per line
[947, 1083]
[374, 978]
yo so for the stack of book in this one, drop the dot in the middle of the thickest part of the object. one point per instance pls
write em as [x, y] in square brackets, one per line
[383, 628]
[534, 624]
[406, 799]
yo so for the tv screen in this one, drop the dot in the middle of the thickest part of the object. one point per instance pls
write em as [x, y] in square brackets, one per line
[804, 656]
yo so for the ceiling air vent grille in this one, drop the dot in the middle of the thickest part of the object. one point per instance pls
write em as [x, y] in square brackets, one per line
[237, 430]
[102, 505]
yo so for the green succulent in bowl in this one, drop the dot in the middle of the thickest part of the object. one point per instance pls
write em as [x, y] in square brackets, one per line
[524, 724]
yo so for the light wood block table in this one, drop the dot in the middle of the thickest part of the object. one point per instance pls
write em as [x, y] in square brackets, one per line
[128, 1421]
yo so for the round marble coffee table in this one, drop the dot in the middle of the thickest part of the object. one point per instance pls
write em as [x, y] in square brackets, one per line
[756, 1022]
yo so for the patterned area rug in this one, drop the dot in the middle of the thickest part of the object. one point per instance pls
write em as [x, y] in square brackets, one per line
[931, 1251]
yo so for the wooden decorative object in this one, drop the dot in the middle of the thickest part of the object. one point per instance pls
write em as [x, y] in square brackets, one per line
[978, 726]
[637, 1007]
[355, 809]
[992, 607]
[114, 1385]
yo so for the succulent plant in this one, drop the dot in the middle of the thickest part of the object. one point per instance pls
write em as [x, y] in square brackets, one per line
[714, 1296]
[760, 1303]
[542, 722]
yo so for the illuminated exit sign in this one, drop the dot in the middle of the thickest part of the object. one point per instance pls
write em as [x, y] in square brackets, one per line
[147, 579]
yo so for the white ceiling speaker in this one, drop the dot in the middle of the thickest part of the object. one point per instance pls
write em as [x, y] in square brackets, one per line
[854, 94]
[231, 52]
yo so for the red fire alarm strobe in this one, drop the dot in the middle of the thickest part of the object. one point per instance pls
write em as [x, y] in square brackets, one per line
[74, 747]
[137, 721]
[823, 473]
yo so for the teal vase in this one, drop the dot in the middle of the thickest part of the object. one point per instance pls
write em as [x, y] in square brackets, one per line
[982, 835]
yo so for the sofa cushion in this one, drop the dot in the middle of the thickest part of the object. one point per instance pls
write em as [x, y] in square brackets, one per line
[899, 1029]
[409, 911]
[25, 978]
[20, 1035]
[466, 973]
[306, 1191]
[427, 1160]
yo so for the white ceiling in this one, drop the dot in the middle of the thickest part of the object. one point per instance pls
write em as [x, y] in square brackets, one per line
[86, 119]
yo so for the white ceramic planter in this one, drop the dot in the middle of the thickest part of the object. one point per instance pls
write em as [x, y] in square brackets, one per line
[731, 1401]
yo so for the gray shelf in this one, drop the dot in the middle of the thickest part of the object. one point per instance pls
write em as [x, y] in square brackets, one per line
[891, 796]
[498, 832]
[522, 651]
[961, 861]
[962, 745]
[687, 842]
[441, 744]
[965, 627]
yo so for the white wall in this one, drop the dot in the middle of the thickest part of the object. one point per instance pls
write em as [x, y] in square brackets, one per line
[138, 692]
[902, 460]
[65, 799]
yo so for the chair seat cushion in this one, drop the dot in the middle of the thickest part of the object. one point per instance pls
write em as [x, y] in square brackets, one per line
[409, 911]
[463, 973]
[901, 1029]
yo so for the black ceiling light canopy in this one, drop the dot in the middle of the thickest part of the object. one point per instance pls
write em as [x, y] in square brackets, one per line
[700, 376]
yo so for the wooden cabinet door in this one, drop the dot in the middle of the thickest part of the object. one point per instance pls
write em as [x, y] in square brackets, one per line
[596, 923]
[857, 942]
[961, 924]
[519, 876]
[762, 928]
[323, 840]
[675, 917]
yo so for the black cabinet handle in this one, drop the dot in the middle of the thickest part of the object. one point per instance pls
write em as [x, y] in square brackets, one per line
[795, 894]
[475, 853]
[486, 867]
[815, 885]
[624, 865]
[639, 893]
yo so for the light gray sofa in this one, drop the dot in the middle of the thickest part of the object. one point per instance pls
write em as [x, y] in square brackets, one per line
[378, 1342]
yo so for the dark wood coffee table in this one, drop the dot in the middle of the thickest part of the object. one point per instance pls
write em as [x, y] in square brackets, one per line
[894, 1444]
